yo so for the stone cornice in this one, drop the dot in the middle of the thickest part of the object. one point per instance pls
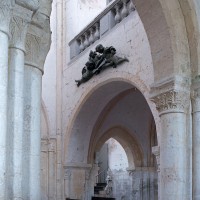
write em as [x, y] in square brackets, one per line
[171, 95]
[77, 166]
[175, 82]
[28, 4]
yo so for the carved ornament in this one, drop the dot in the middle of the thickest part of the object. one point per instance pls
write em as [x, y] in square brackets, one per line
[32, 49]
[38, 43]
[171, 101]
[99, 60]
[19, 22]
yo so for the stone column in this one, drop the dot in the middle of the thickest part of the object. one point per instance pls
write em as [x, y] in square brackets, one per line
[37, 47]
[172, 103]
[5, 14]
[18, 29]
[32, 109]
[196, 139]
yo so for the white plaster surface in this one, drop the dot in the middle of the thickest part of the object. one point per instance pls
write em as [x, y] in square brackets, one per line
[79, 13]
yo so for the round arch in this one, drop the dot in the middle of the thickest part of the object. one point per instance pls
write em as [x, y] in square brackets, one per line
[130, 145]
[166, 30]
[76, 132]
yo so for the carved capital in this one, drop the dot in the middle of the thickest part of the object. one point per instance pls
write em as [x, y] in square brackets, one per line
[44, 48]
[171, 101]
[38, 42]
[32, 48]
[156, 152]
[172, 95]
[18, 27]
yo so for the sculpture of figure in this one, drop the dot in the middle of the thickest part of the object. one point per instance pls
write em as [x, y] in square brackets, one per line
[93, 57]
[87, 73]
[108, 58]
[98, 60]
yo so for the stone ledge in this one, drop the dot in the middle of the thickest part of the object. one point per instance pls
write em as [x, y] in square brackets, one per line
[29, 4]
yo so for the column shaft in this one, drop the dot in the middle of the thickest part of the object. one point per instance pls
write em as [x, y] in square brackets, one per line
[32, 106]
[173, 157]
[3, 109]
[16, 80]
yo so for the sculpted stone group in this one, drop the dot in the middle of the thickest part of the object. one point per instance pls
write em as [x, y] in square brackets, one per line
[99, 60]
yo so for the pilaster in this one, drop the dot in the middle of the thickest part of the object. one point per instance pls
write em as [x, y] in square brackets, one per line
[5, 16]
[52, 168]
[172, 99]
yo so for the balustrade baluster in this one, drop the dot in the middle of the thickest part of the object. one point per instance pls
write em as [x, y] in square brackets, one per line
[86, 42]
[81, 46]
[117, 16]
[124, 12]
[120, 10]
[131, 7]
[96, 34]
[91, 38]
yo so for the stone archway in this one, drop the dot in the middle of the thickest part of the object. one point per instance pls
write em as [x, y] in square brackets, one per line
[90, 124]
[168, 39]
[132, 148]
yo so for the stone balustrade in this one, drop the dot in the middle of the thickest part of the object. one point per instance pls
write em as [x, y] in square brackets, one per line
[113, 14]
